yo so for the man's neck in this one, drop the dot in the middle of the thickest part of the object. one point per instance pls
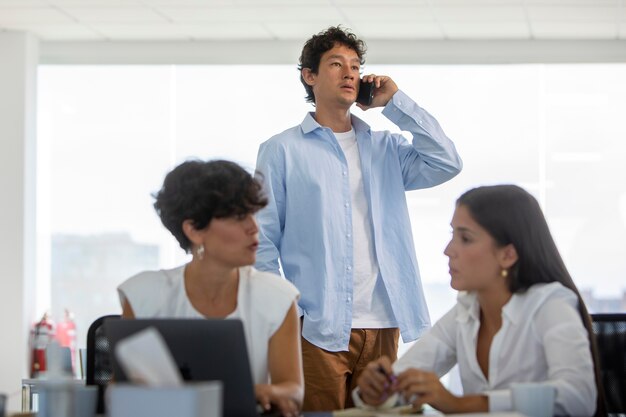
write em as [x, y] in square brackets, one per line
[337, 119]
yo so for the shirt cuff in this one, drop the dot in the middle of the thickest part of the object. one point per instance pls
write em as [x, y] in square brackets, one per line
[499, 400]
[396, 105]
[401, 109]
[358, 401]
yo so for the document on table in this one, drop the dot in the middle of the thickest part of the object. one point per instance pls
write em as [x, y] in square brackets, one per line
[362, 412]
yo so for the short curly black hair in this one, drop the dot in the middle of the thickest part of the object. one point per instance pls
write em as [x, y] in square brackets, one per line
[324, 41]
[200, 191]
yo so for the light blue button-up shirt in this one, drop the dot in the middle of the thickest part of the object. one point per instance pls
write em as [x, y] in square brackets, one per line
[308, 221]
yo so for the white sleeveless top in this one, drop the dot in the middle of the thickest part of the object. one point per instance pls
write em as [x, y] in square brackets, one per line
[263, 300]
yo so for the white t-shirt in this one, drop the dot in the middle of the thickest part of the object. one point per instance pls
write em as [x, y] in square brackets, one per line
[542, 339]
[368, 290]
[263, 300]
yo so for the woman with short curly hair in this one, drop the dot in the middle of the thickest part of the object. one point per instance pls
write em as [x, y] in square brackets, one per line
[209, 207]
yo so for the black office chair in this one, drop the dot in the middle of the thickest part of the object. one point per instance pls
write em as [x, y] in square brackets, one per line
[99, 369]
[610, 332]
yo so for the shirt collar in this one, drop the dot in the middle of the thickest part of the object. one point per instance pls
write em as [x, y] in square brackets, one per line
[524, 304]
[309, 124]
[514, 309]
[469, 309]
[519, 307]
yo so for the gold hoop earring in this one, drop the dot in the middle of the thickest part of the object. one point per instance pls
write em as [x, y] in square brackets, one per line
[504, 273]
[200, 252]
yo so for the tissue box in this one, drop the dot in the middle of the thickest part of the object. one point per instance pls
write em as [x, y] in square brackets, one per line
[192, 400]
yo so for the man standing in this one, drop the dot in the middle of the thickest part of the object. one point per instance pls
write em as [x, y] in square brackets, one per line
[338, 221]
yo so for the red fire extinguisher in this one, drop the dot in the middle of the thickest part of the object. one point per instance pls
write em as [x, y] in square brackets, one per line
[41, 334]
[66, 334]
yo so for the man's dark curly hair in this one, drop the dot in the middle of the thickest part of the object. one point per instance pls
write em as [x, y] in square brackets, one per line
[324, 41]
[200, 191]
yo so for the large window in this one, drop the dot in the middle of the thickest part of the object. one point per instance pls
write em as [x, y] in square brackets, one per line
[107, 136]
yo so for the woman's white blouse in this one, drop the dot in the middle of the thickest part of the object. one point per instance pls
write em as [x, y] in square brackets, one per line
[263, 300]
[542, 338]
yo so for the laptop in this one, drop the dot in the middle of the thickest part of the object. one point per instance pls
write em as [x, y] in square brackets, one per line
[204, 350]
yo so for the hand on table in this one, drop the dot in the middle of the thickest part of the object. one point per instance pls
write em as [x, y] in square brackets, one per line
[267, 396]
[422, 387]
[376, 383]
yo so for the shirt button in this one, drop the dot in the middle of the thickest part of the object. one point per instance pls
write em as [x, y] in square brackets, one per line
[347, 205]
[349, 299]
[399, 103]
[348, 235]
[344, 173]
[349, 268]
[421, 122]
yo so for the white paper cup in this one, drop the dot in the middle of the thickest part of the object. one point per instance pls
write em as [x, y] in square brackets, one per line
[67, 400]
[85, 402]
[533, 399]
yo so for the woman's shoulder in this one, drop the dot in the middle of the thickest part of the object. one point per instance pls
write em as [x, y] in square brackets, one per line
[267, 283]
[265, 299]
[155, 280]
[148, 291]
[549, 305]
[539, 295]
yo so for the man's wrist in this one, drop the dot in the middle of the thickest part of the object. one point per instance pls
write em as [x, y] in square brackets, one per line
[357, 400]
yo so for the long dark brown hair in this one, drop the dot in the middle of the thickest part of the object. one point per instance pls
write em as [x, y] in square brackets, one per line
[511, 215]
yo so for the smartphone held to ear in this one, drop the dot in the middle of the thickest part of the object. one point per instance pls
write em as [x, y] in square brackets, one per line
[366, 93]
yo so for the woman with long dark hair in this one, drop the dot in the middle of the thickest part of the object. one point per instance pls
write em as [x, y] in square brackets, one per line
[518, 318]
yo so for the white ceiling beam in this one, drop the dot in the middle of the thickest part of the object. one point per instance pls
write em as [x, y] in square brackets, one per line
[379, 52]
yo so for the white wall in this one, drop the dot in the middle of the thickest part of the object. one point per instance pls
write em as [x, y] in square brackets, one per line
[19, 55]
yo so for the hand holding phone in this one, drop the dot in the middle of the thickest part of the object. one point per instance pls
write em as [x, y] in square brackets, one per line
[366, 93]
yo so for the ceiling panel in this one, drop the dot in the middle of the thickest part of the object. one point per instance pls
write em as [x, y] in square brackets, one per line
[398, 13]
[484, 14]
[115, 15]
[60, 32]
[250, 14]
[93, 3]
[477, 3]
[274, 3]
[387, 3]
[486, 30]
[186, 3]
[23, 3]
[566, 3]
[574, 30]
[553, 13]
[121, 32]
[391, 30]
[298, 19]
[9, 15]
[226, 31]
[301, 30]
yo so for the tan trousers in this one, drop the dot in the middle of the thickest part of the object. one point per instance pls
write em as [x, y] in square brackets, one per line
[330, 377]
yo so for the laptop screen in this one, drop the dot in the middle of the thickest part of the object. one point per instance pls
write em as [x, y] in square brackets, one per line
[204, 350]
